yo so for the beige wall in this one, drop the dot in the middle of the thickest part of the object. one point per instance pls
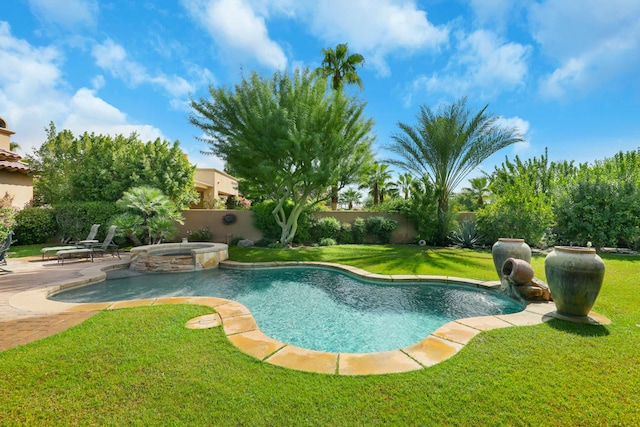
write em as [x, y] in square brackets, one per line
[18, 185]
[243, 227]
[196, 219]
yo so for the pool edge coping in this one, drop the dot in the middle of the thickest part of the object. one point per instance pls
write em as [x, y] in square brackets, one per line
[241, 329]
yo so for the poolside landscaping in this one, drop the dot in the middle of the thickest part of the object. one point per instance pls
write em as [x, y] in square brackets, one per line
[141, 366]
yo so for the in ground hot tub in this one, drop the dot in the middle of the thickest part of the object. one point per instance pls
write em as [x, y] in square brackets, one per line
[178, 257]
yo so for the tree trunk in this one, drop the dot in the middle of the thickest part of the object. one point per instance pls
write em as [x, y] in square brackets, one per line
[376, 194]
[334, 198]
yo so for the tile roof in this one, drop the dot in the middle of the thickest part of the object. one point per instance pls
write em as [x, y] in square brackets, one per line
[15, 166]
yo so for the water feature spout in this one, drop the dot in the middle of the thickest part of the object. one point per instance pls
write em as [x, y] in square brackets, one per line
[517, 281]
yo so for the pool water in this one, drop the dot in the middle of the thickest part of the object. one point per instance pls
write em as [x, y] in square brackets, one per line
[314, 308]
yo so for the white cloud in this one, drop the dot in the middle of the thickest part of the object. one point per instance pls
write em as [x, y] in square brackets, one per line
[66, 13]
[375, 28]
[483, 64]
[112, 57]
[89, 113]
[33, 93]
[238, 30]
[591, 42]
[493, 13]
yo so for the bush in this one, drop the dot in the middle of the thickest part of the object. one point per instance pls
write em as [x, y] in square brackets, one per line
[358, 231]
[235, 240]
[201, 235]
[604, 212]
[74, 219]
[264, 242]
[35, 225]
[326, 241]
[528, 218]
[381, 227]
[346, 234]
[326, 227]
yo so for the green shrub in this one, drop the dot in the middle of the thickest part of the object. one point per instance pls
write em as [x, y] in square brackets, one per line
[358, 230]
[275, 245]
[75, 219]
[601, 211]
[264, 242]
[327, 241]
[35, 225]
[235, 240]
[326, 227]
[201, 235]
[346, 233]
[381, 227]
[527, 218]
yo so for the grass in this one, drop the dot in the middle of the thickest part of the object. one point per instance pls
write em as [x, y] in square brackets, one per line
[142, 367]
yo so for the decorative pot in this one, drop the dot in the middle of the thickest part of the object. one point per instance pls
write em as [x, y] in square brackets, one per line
[519, 271]
[509, 248]
[575, 276]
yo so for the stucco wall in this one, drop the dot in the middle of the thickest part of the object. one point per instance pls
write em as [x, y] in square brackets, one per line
[243, 227]
[18, 185]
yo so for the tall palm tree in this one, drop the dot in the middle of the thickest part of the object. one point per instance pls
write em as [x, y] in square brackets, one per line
[340, 66]
[446, 146]
[350, 197]
[377, 181]
[404, 184]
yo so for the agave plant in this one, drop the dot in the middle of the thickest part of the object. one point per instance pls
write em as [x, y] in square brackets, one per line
[466, 236]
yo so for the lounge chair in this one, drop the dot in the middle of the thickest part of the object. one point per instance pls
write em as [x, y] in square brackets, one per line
[107, 244]
[81, 243]
[3, 251]
[74, 253]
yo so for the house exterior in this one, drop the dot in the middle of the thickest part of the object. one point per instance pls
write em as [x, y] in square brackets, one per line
[212, 184]
[15, 176]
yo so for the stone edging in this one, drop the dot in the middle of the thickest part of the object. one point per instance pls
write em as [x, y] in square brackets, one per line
[242, 331]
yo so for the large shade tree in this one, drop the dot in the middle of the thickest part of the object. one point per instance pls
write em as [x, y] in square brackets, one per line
[446, 145]
[93, 167]
[286, 136]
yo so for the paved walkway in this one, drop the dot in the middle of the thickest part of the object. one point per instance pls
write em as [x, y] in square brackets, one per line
[19, 326]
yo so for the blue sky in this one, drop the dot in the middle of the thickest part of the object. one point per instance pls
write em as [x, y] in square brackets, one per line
[566, 72]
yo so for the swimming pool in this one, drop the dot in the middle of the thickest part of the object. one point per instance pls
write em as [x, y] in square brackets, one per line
[314, 308]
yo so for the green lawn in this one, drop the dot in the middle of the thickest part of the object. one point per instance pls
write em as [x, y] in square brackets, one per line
[142, 367]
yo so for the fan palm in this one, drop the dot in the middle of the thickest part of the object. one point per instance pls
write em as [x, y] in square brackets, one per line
[377, 180]
[350, 196]
[479, 189]
[404, 184]
[446, 146]
[340, 66]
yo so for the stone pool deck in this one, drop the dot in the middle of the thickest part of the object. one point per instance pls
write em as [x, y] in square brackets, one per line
[27, 315]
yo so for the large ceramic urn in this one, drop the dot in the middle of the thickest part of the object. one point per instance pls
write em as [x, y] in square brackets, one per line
[509, 248]
[575, 276]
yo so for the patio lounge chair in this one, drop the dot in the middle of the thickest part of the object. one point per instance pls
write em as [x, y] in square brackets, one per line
[82, 243]
[107, 244]
[3, 252]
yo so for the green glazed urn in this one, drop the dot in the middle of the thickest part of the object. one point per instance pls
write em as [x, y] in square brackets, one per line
[509, 248]
[575, 276]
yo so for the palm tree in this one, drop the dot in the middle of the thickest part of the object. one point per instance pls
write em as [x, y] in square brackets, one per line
[340, 66]
[446, 146]
[350, 197]
[377, 180]
[479, 189]
[404, 184]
